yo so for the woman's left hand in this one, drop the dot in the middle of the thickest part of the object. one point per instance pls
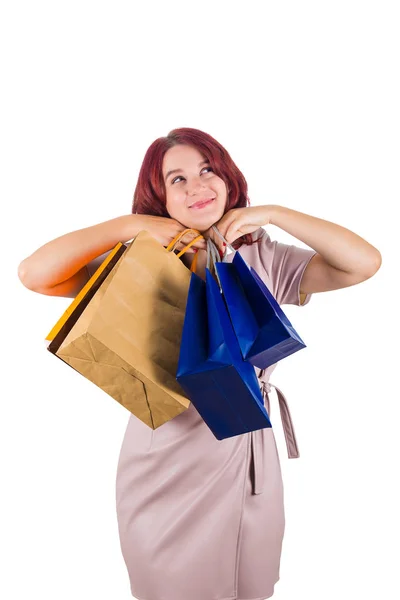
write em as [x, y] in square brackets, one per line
[240, 221]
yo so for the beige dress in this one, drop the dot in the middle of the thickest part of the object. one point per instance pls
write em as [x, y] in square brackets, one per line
[201, 518]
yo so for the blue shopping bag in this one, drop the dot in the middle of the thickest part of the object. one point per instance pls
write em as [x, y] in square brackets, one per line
[222, 386]
[264, 332]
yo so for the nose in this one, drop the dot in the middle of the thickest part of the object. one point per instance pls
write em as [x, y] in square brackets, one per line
[195, 185]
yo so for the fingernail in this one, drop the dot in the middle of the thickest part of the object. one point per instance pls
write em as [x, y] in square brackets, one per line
[194, 249]
[224, 244]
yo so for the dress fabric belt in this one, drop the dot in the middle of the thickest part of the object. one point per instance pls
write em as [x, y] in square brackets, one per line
[257, 439]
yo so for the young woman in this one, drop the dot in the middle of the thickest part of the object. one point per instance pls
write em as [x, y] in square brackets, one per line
[202, 519]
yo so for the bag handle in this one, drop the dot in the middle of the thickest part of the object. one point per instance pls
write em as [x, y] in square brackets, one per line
[175, 241]
[213, 257]
[171, 246]
[186, 248]
[193, 266]
[223, 239]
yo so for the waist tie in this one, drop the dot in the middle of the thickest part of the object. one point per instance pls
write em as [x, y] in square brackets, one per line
[257, 436]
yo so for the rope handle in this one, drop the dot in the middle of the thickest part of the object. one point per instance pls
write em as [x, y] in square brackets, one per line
[186, 248]
[213, 257]
[172, 245]
[193, 266]
[223, 239]
[212, 250]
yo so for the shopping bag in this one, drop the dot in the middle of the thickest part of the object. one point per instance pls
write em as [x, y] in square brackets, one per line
[222, 386]
[64, 324]
[264, 332]
[124, 333]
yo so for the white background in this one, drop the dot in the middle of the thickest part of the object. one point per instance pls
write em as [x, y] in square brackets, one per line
[305, 97]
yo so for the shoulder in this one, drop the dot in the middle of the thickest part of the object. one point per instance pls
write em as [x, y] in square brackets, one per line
[253, 253]
[260, 241]
[259, 236]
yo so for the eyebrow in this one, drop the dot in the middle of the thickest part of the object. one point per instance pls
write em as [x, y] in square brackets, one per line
[179, 170]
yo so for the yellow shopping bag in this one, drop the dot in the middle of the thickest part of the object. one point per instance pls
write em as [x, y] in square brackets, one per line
[123, 330]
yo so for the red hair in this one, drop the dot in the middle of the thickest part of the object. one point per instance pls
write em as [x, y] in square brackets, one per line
[150, 195]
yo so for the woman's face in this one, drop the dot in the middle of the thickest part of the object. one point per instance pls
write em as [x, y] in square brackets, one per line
[189, 189]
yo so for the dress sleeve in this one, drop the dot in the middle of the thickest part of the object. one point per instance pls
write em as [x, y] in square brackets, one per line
[284, 266]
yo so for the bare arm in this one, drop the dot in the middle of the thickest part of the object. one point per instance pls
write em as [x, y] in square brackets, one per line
[58, 268]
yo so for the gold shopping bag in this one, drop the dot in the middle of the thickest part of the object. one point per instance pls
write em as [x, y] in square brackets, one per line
[123, 330]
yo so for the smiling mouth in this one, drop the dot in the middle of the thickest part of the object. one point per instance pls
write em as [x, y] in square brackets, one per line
[201, 203]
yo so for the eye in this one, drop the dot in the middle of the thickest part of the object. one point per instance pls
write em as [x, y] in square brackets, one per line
[180, 176]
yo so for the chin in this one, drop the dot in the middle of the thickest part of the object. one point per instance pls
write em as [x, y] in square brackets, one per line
[202, 223]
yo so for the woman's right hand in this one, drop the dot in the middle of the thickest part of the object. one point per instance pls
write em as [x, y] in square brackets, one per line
[165, 229]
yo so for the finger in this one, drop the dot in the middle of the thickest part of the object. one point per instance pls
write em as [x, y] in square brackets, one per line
[194, 248]
[218, 241]
[232, 233]
[182, 242]
[221, 247]
[200, 243]
[190, 250]
[225, 222]
[221, 238]
[212, 235]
